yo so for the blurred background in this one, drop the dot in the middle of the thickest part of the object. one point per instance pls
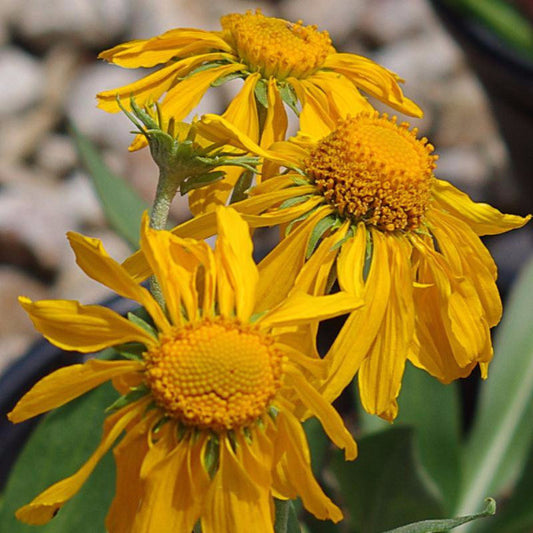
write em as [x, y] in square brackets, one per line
[49, 75]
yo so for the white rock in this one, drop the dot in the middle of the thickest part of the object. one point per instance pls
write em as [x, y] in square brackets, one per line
[388, 21]
[20, 80]
[94, 22]
[338, 17]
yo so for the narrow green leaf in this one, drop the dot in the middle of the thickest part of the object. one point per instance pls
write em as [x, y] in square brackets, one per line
[500, 439]
[138, 321]
[321, 227]
[441, 526]
[385, 486]
[59, 446]
[294, 201]
[121, 204]
[228, 77]
[131, 350]
[241, 187]
[201, 181]
[289, 97]
[136, 393]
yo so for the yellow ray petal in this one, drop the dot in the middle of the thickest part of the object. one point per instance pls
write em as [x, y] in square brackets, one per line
[242, 111]
[84, 328]
[328, 416]
[217, 129]
[43, 507]
[235, 248]
[373, 79]
[185, 95]
[298, 470]
[157, 50]
[234, 503]
[129, 455]
[300, 308]
[342, 94]
[380, 374]
[196, 228]
[275, 126]
[315, 118]
[96, 263]
[360, 329]
[280, 267]
[160, 509]
[482, 218]
[65, 384]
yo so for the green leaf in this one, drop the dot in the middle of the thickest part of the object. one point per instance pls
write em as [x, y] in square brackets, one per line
[241, 187]
[261, 92]
[121, 204]
[500, 439]
[138, 321]
[289, 97]
[60, 445]
[384, 487]
[516, 514]
[438, 526]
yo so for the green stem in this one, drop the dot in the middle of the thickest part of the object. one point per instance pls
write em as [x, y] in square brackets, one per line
[282, 515]
[166, 190]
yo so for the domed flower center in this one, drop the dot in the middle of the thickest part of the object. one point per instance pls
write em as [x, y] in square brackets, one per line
[374, 170]
[217, 375]
[276, 47]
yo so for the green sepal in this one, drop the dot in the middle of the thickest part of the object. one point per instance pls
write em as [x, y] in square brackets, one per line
[299, 219]
[135, 393]
[160, 423]
[368, 255]
[261, 92]
[202, 68]
[300, 181]
[241, 187]
[131, 350]
[321, 227]
[349, 235]
[228, 77]
[443, 525]
[289, 97]
[294, 201]
[138, 321]
[212, 456]
[198, 182]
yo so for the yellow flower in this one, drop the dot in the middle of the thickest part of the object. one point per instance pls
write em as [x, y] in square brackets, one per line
[362, 203]
[208, 405]
[279, 61]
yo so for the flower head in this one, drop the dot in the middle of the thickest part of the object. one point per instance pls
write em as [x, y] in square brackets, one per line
[279, 61]
[362, 203]
[208, 404]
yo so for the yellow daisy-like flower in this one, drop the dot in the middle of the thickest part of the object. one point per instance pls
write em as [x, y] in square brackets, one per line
[362, 203]
[279, 61]
[208, 405]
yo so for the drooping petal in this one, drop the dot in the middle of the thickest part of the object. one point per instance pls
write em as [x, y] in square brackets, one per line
[235, 504]
[373, 79]
[343, 96]
[297, 469]
[235, 248]
[326, 414]
[242, 111]
[169, 45]
[380, 374]
[43, 508]
[275, 126]
[315, 118]
[65, 384]
[151, 87]
[482, 218]
[360, 329]
[96, 263]
[83, 328]
[129, 455]
[168, 503]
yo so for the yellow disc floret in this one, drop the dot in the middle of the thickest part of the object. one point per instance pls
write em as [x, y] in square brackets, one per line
[216, 374]
[374, 170]
[276, 47]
